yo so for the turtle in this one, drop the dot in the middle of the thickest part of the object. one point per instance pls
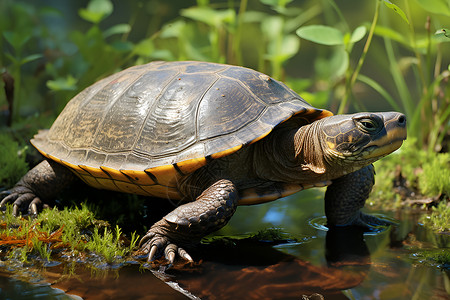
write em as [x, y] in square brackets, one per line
[212, 137]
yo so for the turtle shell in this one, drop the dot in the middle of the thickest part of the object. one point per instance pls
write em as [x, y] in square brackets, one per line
[139, 130]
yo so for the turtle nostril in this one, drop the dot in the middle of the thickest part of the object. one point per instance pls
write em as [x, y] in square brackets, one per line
[402, 120]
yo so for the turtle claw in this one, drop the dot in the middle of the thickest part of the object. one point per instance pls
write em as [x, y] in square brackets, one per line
[185, 255]
[151, 255]
[33, 209]
[23, 201]
[156, 245]
[16, 210]
[170, 257]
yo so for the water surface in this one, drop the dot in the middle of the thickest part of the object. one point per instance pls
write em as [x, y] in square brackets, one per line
[339, 264]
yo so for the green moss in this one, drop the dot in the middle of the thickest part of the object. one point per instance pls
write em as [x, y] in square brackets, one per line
[410, 172]
[12, 161]
[435, 178]
[109, 244]
[439, 219]
[74, 232]
[434, 257]
[268, 235]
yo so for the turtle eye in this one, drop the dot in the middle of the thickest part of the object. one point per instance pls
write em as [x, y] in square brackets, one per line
[368, 125]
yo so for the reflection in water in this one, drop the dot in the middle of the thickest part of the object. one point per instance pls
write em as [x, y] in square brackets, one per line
[14, 289]
[247, 269]
[345, 246]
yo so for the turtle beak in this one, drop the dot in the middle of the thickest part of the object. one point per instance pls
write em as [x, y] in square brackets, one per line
[395, 124]
[395, 134]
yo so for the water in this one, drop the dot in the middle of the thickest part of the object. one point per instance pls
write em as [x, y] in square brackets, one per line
[338, 264]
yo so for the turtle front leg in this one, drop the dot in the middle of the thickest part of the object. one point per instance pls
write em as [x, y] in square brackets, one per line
[347, 195]
[189, 223]
[41, 183]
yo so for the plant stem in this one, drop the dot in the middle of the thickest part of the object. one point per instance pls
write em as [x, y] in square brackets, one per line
[351, 83]
[416, 53]
[237, 55]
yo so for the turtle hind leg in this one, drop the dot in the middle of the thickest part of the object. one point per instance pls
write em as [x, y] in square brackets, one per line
[189, 223]
[347, 195]
[39, 185]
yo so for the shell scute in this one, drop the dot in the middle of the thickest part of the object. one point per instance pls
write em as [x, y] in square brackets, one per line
[226, 108]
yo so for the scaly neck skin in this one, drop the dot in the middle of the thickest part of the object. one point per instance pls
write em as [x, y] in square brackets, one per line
[315, 156]
[292, 155]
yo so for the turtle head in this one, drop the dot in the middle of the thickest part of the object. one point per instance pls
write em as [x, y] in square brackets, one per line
[362, 138]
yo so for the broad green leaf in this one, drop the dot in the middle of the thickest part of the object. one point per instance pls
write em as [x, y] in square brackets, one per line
[280, 7]
[11, 58]
[50, 11]
[173, 30]
[101, 6]
[272, 27]
[63, 84]
[96, 11]
[299, 84]
[122, 46]
[321, 34]
[163, 54]
[358, 34]
[396, 9]
[276, 3]
[214, 18]
[334, 67]
[436, 6]
[117, 29]
[202, 2]
[254, 16]
[288, 47]
[16, 39]
[144, 48]
[90, 16]
[318, 99]
[339, 63]
[95, 34]
[442, 32]
[30, 58]
[441, 36]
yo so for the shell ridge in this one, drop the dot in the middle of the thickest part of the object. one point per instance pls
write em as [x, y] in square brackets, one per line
[163, 90]
[197, 111]
[118, 97]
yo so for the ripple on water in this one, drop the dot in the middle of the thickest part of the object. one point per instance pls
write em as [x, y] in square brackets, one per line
[320, 223]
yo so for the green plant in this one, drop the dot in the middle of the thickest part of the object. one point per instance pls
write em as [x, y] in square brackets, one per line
[12, 161]
[73, 230]
[425, 174]
[429, 118]
[435, 179]
[439, 218]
